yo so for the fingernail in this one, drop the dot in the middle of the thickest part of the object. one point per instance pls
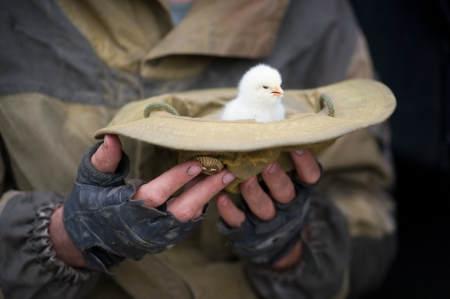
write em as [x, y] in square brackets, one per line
[194, 170]
[227, 178]
[105, 143]
[224, 202]
[299, 152]
[253, 184]
[273, 167]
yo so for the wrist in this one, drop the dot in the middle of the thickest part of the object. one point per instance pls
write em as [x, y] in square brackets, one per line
[291, 258]
[61, 243]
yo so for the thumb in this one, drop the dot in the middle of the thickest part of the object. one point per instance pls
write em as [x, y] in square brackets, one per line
[108, 155]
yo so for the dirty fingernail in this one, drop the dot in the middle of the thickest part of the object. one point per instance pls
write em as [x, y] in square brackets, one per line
[227, 178]
[299, 152]
[194, 170]
[224, 202]
[253, 184]
[105, 143]
[273, 168]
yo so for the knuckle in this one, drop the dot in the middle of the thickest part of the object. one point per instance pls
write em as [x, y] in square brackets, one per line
[266, 212]
[98, 159]
[154, 199]
[311, 177]
[184, 214]
[284, 194]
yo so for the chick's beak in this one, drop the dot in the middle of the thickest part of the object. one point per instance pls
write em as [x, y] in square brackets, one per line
[278, 91]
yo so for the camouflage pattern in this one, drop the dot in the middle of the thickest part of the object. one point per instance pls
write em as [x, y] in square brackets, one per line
[69, 66]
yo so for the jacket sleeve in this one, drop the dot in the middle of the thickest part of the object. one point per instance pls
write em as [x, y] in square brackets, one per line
[28, 264]
[359, 183]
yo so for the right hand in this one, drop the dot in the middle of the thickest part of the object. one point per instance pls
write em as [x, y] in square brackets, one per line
[187, 206]
[109, 221]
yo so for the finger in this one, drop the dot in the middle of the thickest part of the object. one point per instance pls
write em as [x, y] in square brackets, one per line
[191, 202]
[108, 155]
[157, 191]
[279, 183]
[306, 166]
[257, 200]
[191, 184]
[194, 181]
[233, 216]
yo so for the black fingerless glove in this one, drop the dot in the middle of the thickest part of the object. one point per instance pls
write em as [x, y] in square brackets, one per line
[107, 226]
[266, 242]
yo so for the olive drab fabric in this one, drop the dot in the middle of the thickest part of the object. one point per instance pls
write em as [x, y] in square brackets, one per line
[196, 130]
[69, 66]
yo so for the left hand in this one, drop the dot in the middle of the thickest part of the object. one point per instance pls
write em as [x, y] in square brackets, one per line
[280, 189]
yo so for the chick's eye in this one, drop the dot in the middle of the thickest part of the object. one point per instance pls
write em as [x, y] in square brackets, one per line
[265, 87]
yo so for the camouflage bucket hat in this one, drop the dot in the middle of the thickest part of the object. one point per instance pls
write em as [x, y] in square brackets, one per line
[189, 124]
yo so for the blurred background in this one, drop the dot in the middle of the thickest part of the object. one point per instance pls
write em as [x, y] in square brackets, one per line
[410, 45]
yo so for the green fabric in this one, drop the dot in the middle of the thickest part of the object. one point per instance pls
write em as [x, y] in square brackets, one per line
[104, 62]
[248, 164]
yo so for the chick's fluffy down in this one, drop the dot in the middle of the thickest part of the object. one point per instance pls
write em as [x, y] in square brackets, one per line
[259, 96]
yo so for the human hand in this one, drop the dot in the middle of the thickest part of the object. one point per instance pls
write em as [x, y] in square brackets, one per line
[108, 220]
[268, 228]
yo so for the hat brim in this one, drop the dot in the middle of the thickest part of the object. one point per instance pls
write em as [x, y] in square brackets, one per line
[357, 104]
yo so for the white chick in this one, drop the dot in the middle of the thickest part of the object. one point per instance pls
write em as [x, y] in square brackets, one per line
[259, 96]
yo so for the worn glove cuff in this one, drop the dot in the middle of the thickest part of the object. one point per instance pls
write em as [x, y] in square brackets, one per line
[266, 242]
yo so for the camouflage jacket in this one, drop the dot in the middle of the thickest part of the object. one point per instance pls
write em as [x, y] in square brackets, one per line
[68, 66]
